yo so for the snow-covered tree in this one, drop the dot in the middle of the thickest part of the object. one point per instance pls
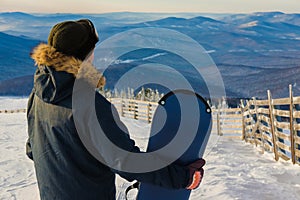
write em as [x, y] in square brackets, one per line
[147, 94]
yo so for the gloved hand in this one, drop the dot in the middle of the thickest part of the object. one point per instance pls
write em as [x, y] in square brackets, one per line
[196, 173]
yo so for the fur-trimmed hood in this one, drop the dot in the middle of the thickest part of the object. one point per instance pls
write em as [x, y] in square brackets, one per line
[45, 55]
[50, 84]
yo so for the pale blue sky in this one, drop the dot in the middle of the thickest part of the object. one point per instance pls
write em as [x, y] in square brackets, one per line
[101, 6]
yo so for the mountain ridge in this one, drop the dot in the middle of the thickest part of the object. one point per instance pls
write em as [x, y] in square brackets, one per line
[256, 44]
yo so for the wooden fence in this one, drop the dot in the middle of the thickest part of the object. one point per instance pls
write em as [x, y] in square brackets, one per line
[226, 121]
[136, 109]
[274, 124]
[13, 111]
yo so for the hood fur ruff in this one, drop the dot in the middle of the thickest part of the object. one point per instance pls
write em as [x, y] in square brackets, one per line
[45, 55]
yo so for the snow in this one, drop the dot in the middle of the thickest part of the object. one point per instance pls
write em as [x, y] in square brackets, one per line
[234, 169]
[10, 103]
[176, 26]
[210, 51]
[134, 60]
[237, 50]
[154, 56]
[248, 25]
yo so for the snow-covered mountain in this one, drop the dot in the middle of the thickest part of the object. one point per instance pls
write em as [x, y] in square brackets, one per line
[14, 56]
[254, 52]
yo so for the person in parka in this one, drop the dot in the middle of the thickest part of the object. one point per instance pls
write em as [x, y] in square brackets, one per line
[64, 168]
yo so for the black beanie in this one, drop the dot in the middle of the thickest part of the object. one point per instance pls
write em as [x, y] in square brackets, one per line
[74, 38]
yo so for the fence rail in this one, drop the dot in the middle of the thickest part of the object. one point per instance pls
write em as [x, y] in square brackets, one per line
[136, 109]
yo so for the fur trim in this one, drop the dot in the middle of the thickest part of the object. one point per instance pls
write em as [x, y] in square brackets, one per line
[44, 54]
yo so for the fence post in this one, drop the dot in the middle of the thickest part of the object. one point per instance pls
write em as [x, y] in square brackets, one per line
[218, 121]
[292, 125]
[256, 123]
[136, 110]
[272, 125]
[258, 127]
[148, 112]
[122, 107]
[243, 119]
[249, 116]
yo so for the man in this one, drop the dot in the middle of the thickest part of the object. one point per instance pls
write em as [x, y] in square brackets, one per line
[65, 169]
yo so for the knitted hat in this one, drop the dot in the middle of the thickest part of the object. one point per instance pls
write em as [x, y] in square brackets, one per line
[74, 38]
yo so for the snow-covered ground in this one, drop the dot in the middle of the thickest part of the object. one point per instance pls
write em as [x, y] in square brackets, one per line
[234, 170]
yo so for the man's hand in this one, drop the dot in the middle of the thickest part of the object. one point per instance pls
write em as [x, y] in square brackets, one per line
[196, 173]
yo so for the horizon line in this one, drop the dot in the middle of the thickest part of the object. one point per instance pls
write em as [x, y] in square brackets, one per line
[151, 12]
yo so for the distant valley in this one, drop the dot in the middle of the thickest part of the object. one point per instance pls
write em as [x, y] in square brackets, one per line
[253, 52]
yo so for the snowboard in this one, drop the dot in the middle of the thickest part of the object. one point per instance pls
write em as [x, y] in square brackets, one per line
[178, 112]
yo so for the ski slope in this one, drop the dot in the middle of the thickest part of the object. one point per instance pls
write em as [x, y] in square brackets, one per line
[234, 170]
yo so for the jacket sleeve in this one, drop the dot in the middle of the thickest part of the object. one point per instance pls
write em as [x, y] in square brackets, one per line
[173, 176]
[28, 142]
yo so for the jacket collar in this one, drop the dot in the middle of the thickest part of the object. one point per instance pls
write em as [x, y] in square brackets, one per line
[46, 55]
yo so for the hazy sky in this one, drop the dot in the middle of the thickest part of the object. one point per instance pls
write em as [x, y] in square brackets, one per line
[101, 6]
